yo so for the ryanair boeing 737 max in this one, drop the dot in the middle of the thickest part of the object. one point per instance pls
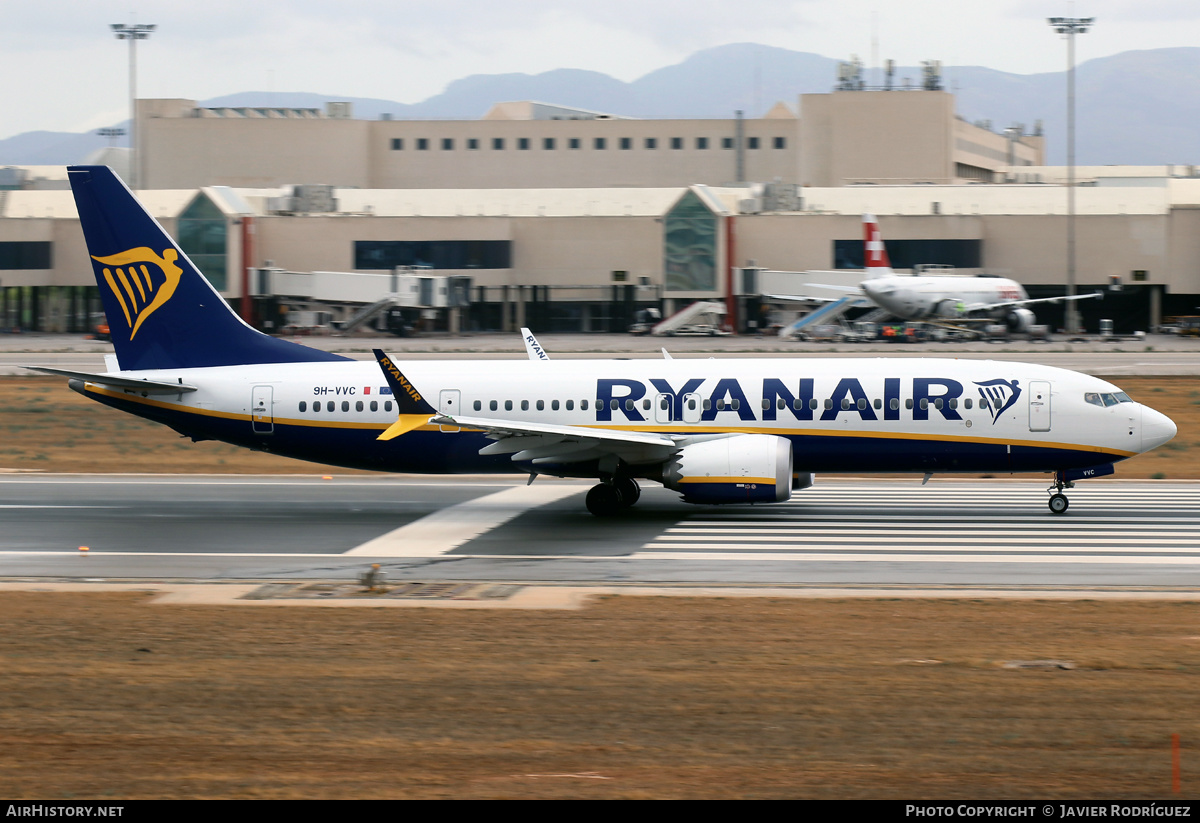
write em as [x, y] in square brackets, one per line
[717, 431]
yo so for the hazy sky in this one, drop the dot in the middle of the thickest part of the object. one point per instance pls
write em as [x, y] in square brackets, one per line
[64, 71]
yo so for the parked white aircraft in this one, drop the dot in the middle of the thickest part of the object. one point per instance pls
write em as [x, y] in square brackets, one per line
[945, 297]
[718, 431]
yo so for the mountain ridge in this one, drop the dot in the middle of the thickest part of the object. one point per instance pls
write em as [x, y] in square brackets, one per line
[1133, 108]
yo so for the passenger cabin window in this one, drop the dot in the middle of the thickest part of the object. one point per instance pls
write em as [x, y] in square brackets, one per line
[303, 406]
[478, 405]
[329, 406]
[374, 405]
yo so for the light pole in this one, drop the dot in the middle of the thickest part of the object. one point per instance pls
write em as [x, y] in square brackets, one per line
[1070, 26]
[133, 33]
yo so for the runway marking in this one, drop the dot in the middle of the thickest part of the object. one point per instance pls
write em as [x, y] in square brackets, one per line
[948, 557]
[449, 528]
[950, 524]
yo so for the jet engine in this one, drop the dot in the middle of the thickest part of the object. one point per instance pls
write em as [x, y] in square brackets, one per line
[744, 468]
[947, 307]
[1019, 320]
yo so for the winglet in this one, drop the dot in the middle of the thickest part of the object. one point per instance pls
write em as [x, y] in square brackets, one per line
[532, 347]
[414, 411]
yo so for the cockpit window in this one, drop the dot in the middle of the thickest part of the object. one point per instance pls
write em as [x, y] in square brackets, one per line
[1104, 399]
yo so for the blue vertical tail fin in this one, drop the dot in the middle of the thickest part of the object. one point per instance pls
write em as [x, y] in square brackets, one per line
[162, 312]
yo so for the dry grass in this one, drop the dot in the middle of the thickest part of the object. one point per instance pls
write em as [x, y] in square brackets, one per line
[44, 426]
[106, 696]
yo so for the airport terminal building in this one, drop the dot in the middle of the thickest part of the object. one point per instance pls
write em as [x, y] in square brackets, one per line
[567, 220]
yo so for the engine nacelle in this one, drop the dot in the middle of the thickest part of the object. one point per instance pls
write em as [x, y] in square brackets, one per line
[745, 468]
[1020, 320]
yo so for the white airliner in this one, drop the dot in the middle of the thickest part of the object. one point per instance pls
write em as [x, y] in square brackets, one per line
[717, 431]
[944, 297]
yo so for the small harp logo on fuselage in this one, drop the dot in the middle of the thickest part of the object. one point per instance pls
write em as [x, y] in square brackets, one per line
[141, 289]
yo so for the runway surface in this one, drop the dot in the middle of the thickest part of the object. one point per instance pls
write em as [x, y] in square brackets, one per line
[949, 532]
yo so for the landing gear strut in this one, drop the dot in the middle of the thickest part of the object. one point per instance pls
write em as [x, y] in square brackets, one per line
[606, 499]
[1058, 501]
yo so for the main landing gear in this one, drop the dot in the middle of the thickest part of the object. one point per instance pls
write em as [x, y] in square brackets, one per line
[608, 498]
[1058, 501]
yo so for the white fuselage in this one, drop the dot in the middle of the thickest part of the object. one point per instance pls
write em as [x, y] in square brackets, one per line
[847, 415]
[923, 297]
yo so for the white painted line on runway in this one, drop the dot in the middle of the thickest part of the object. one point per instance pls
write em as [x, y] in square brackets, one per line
[858, 557]
[948, 535]
[53, 506]
[449, 528]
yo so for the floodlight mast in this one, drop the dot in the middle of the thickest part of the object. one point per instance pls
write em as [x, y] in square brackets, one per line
[1070, 26]
[133, 32]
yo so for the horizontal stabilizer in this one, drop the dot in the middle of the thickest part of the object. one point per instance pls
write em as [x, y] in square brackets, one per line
[122, 383]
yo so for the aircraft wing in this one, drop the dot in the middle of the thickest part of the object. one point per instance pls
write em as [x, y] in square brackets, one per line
[549, 443]
[526, 442]
[847, 289]
[800, 298]
[1007, 303]
[122, 383]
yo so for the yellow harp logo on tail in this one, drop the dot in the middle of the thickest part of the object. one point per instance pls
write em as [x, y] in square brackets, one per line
[139, 290]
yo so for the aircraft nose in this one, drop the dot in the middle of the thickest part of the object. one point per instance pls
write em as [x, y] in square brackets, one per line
[1157, 429]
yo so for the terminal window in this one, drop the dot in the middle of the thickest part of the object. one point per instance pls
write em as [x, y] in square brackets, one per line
[397, 144]
[752, 142]
[548, 143]
[905, 254]
[652, 142]
[434, 254]
[25, 254]
[779, 142]
[498, 143]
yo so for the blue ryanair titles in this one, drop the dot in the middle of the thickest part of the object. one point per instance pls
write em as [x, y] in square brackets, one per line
[939, 395]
